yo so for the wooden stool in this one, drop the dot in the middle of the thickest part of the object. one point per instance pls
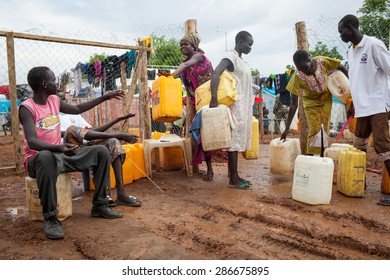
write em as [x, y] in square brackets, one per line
[64, 198]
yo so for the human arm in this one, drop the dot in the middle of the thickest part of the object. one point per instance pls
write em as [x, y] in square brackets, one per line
[85, 106]
[381, 57]
[34, 143]
[291, 114]
[222, 66]
[97, 135]
[343, 69]
[276, 105]
[195, 59]
[106, 126]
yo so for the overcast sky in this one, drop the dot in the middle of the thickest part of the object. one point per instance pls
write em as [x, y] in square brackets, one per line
[271, 22]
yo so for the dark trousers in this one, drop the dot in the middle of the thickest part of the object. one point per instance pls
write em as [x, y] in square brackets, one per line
[45, 166]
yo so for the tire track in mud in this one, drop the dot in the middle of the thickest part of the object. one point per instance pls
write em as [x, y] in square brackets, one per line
[269, 229]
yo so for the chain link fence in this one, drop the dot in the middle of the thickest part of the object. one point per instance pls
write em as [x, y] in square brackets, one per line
[86, 65]
[321, 33]
[85, 71]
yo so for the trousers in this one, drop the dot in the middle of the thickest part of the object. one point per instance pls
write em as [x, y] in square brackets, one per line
[45, 166]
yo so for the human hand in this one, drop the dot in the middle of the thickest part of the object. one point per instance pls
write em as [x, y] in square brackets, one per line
[164, 73]
[69, 149]
[117, 94]
[213, 102]
[129, 138]
[284, 135]
[125, 117]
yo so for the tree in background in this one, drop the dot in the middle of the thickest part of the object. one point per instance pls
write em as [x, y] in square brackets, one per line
[323, 50]
[166, 52]
[255, 72]
[375, 19]
[96, 56]
[290, 67]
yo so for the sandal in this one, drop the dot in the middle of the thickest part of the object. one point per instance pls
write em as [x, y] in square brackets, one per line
[208, 177]
[247, 182]
[242, 186]
[384, 201]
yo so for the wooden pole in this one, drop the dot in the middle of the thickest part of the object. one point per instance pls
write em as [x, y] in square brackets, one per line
[191, 28]
[71, 41]
[13, 99]
[130, 94]
[145, 123]
[302, 44]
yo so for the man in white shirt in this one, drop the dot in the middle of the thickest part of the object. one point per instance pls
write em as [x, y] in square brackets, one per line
[369, 70]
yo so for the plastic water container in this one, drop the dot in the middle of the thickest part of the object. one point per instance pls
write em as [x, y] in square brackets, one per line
[127, 166]
[64, 198]
[351, 172]
[385, 186]
[283, 155]
[333, 152]
[139, 161]
[352, 122]
[112, 179]
[134, 130]
[313, 180]
[167, 99]
[216, 129]
[226, 93]
[338, 85]
[173, 159]
[253, 153]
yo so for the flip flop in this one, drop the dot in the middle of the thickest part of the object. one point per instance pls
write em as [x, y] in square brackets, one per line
[384, 201]
[247, 182]
[242, 186]
[208, 178]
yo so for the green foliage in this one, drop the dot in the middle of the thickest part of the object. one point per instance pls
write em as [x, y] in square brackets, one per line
[255, 72]
[290, 67]
[375, 19]
[323, 50]
[95, 57]
[166, 51]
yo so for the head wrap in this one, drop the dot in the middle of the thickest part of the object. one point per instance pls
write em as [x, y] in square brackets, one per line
[194, 40]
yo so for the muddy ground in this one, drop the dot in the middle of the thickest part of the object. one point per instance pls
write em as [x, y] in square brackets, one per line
[193, 219]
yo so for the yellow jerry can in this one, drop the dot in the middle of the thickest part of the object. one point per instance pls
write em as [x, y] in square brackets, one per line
[226, 93]
[351, 172]
[253, 153]
[167, 99]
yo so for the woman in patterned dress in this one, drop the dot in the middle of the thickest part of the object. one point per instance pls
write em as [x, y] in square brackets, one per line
[317, 99]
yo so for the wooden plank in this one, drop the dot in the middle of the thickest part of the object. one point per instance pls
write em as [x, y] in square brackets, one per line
[191, 28]
[130, 94]
[71, 41]
[13, 99]
[124, 88]
[145, 122]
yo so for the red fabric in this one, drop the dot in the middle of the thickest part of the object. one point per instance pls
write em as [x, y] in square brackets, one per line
[5, 90]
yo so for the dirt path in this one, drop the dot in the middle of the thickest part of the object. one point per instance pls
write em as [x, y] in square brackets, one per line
[194, 219]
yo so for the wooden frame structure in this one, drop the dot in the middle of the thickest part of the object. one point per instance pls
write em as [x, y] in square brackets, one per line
[140, 73]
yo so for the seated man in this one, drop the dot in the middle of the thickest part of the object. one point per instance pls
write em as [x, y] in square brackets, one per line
[79, 132]
[46, 157]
